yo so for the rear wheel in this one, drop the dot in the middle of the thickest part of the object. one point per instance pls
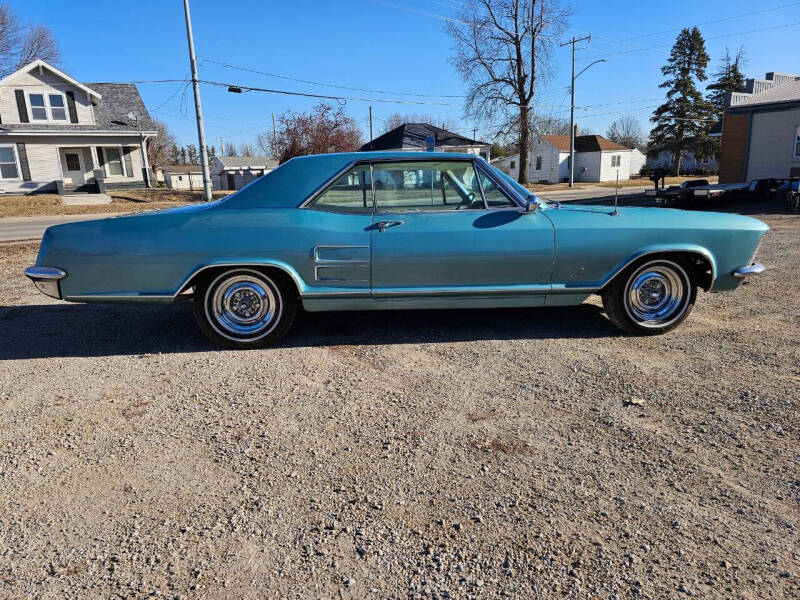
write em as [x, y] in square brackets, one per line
[244, 308]
[651, 297]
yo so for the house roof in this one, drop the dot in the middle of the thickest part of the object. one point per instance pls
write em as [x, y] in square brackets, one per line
[183, 169]
[244, 162]
[778, 94]
[413, 135]
[40, 64]
[583, 143]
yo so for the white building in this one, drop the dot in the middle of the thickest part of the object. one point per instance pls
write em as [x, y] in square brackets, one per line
[184, 177]
[596, 159]
[689, 162]
[235, 172]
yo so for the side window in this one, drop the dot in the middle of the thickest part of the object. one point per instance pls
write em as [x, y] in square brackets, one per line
[494, 197]
[426, 186]
[352, 193]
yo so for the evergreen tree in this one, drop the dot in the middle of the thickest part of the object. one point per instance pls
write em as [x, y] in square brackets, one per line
[191, 151]
[729, 78]
[212, 154]
[681, 123]
[183, 155]
[173, 154]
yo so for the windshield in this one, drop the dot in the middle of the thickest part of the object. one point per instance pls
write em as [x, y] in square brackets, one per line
[517, 187]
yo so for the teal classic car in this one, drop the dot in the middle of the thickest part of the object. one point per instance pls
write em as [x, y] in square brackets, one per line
[396, 230]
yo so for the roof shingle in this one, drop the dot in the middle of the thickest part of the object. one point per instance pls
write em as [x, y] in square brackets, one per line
[413, 135]
[584, 143]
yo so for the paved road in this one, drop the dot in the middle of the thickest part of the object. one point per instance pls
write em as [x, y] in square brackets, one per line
[30, 228]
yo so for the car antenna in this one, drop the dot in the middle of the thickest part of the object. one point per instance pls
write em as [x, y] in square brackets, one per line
[615, 213]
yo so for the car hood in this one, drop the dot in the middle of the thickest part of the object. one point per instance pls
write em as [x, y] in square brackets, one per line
[636, 216]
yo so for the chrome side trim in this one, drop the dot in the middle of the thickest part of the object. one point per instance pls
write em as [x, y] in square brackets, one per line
[753, 269]
[463, 291]
[701, 252]
[330, 261]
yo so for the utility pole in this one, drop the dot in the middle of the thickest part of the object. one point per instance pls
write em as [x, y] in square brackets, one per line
[221, 146]
[370, 128]
[201, 134]
[573, 41]
[274, 137]
[474, 133]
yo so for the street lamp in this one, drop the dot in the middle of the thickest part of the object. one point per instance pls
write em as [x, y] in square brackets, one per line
[572, 115]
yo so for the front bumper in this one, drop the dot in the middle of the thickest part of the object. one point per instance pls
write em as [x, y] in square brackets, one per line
[46, 280]
[753, 269]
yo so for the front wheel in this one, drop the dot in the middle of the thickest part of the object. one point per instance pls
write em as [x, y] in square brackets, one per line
[652, 297]
[244, 308]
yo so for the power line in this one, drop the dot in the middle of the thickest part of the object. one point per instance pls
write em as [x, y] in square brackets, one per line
[331, 85]
[720, 20]
[715, 37]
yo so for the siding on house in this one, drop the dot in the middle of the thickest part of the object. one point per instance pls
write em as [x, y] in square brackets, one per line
[734, 147]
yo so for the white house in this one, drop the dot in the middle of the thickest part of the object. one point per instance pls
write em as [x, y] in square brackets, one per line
[183, 177]
[638, 160]
[689, 162]
[412, 137]
[596, 159]
[59, 134]
[235, 172]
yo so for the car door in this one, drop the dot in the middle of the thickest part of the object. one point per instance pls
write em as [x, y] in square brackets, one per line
[336, 226]
[440, 226]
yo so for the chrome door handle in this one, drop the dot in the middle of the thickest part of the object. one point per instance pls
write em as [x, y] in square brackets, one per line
[384, 225]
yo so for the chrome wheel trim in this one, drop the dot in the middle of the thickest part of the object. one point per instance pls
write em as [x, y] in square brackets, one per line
[657, 294]
[243, 306]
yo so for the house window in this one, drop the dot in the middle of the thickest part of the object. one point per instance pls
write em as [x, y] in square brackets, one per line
[180, 177]
[8, 163]
[513, 164]
[38, 107]
[616, 160]
[797, 142]
[114, 166]
[58, 111]
[538, 163]
[47, 107]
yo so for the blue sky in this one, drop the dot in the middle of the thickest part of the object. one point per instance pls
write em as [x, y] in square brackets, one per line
[386, 45]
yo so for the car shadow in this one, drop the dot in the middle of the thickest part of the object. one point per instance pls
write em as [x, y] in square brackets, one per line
[85, 330]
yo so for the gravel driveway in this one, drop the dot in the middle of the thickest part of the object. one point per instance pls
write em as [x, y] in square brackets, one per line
[440, 454]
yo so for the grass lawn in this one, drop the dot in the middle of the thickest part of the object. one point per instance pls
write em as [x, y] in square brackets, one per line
[122, 201]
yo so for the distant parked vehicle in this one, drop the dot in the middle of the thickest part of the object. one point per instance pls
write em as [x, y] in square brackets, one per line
[396, 230]
[678, 194]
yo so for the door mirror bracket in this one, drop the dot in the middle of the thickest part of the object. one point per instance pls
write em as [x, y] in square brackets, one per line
[531, 205]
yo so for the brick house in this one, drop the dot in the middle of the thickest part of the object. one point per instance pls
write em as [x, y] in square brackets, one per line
[761, 130]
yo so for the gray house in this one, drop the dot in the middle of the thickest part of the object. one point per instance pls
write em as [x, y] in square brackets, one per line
[235, 172]
[58, 134]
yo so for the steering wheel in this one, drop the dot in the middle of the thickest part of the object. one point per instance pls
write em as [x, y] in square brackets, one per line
[466, 202]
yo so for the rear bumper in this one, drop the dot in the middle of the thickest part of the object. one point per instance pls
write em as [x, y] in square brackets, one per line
[753, 269]
[46, 280]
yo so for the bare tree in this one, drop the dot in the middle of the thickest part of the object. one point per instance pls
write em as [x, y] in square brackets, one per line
[246, 149]
[502, 48]
[21, 44]
[394, 121]
[160, 146]
[266, 143]
[325, 129]
[627, 131]
[230, 150]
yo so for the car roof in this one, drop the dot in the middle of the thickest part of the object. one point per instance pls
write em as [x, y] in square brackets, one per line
[376, 155]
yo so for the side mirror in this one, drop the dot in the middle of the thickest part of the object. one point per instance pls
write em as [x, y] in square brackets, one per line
[531, 204]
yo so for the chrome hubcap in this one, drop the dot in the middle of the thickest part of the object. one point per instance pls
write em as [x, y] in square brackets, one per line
[656, 295]
[244, 306]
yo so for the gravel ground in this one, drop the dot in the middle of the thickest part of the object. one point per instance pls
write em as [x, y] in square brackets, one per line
[439, 454]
